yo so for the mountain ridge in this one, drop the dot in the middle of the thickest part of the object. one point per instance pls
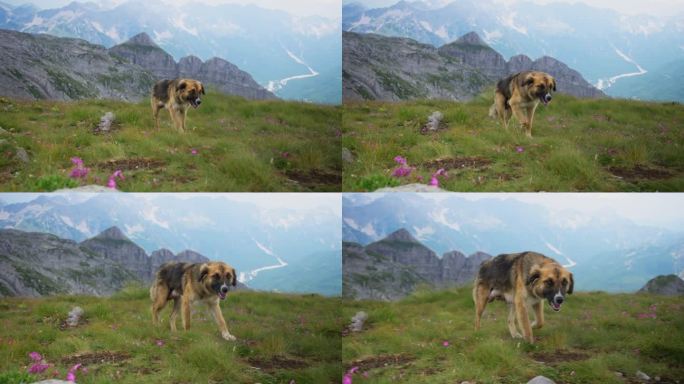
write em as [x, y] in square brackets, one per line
[377, 67]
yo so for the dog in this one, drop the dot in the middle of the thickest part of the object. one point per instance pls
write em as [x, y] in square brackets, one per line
[520, 94]
[523, 280]
[185, 284]
[177, 96]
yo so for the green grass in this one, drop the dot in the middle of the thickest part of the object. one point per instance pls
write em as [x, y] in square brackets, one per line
[578, 145]
[241, 146]
[280, 338]
[594, 336]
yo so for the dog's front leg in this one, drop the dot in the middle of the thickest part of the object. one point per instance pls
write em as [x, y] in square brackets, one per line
[185, 311]
[218, 317]
[538, 315]
[520, 115]
[522, 315]
[511, 322]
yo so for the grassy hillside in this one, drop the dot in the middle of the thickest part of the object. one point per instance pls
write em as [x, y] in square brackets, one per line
[578, 145]
[231, 144]
[595, 338]
[280, 338]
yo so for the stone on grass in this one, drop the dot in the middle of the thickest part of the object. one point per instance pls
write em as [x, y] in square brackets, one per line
[75, 316]
[357, 321]
[541, 380]
[105, 122]
[347, 156]
[434, 121]
[22, 155]
[642, 376]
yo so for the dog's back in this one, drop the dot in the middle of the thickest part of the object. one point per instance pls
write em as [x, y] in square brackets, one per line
[160, 91]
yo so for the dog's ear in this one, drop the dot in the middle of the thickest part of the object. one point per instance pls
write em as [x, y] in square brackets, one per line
[553, 84]
[572, 285]
[534, 276]
[202, 89]
[182, 85]
[234, 277]
[204, 271]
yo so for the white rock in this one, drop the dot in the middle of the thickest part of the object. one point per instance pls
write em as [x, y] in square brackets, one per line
[541, 380]
[357, 321]
[642, 376]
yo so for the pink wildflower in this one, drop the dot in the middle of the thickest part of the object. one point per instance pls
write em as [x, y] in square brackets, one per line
[112, 179]
[445, 343]
[160, 343]
[434, 180]
[194, 151]
[519, 149]
[285, 154]
[35, 356]
[403, 169]
[38, 368]
[400, 160]
[79, 171]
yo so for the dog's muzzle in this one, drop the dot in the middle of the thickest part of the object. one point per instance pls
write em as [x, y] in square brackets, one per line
[196, 102]
[546, 99]
[223, 291]
[557, 302]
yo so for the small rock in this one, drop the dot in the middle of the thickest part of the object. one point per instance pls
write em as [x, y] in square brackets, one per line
[415, 187]
[347, 156]
[541, 380]
[105, 122]
[434, 120]
[357, 321]
[618, 374]
[22, 155]
[3, 131]
[642, 376]
[3, 141]
[74, 316]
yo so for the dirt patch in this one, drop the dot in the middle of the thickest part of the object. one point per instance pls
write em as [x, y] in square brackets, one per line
[96, 358]
[380, 361]
[277, 362]
[134, 164]
[465, 162]
[558, 356]
[314, 177]
[640, 172]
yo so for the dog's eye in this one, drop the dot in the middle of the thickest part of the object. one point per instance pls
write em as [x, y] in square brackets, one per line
[565, 282]
[216, 276]
[548, 283]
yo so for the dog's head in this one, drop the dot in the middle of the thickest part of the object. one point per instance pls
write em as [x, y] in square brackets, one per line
[218, 277]
[190, 90]
[552, 282]
[539, 85]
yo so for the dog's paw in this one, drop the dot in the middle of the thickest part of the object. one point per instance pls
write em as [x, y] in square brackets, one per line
[517, 335]
[227, 336]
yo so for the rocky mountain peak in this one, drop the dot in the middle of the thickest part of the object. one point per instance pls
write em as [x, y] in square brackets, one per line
[669, 285]
[471, 38]
[401, 235]
[112, 233]
[142, 39]
[163, 253]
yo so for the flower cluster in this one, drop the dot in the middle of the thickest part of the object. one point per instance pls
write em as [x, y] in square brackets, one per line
[403, 170]
[79, 171]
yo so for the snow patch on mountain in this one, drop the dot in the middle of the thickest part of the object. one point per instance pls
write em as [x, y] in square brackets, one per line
[440, 217]
[275, 85]
[179, 22]
[364, 20]
[162, 36]
[508, 20]
[132, 230]
[492, 37]
[244, 277]
[81, 227]
[423, 233]
[37, 21]
[149, 213]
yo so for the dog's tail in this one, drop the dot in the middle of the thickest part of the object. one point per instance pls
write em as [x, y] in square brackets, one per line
[492, 111]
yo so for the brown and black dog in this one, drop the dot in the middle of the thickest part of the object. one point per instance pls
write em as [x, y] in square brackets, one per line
[524, 281]
[186, 283]
[520, 94]
[177, 96]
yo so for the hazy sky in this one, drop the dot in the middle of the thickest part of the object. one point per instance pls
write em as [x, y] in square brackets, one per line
[654, 7]
[327, 8]
[656, 209]
[297, 201]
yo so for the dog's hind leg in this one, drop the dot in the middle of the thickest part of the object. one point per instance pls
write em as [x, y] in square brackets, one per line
[155, 112]
[174, 313]
[185, 311]
[538, 315]
[220, 321]
[480, 296]
[158, 294]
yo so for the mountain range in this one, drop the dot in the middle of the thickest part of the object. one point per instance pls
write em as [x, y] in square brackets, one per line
[617, 53]
[605, 251]
[396, 265]
[41, 264]
[265, 245]
[377, 67]
[44, 66]
[294, 57]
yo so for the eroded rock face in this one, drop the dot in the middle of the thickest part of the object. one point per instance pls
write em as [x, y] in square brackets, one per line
[393, 267]
[668, 285]
[389, 68]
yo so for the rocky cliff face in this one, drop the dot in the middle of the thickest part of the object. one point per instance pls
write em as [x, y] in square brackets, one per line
[47, 67]
[215, 72]
[36, 264]
[393, 267]
[669, 285]
[387, 68]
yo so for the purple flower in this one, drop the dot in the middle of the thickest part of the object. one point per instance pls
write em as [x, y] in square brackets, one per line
[160, 343]
[347, 379]
[71, 376]
[519, 149]
[285, 154]
[434, 180]
[38, 368]
[79, 171]
[400, 160]
[35, 356]
[194, 151]
[111, 183]
[77, 161]
[445, 343]
[402, 171]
